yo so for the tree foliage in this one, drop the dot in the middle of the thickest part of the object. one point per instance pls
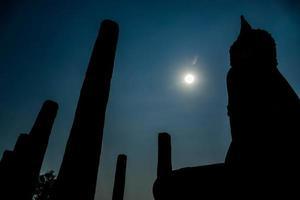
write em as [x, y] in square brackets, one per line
[45, 185]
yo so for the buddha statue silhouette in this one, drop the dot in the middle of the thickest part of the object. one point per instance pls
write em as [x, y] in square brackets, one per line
[264, 114]
[264, 110]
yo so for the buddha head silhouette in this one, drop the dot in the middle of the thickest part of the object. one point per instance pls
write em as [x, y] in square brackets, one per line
[254, 48]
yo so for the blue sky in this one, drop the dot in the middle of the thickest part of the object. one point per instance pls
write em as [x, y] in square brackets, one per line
[45, 49]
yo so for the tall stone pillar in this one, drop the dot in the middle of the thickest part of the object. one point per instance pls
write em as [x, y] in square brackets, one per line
[164, 165]
[30, 149]
[119, 185]
[20, 168]
[78, 173]
[7, 167]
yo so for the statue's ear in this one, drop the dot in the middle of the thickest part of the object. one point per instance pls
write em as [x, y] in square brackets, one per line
[245, 27]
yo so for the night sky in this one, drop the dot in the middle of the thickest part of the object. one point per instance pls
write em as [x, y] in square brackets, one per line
[46, 46]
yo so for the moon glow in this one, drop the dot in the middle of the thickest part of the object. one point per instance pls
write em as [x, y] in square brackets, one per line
[189, 79]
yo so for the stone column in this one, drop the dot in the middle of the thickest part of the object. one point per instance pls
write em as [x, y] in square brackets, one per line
[78, 173]
[20, 168]
[164, 165]
[120, 176]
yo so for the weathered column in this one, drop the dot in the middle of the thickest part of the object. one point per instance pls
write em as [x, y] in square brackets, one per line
[22, 166]
[7, 168]
[23, 142]
[6, 162]
[164, 165]
[30, 149]
[78, 173]
[120, 176]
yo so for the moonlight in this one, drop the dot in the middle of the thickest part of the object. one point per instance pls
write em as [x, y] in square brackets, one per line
[189, 79]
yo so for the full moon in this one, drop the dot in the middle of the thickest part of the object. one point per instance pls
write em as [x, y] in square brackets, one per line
[189, 79]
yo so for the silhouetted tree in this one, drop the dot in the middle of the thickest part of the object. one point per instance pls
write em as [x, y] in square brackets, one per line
[45, 185]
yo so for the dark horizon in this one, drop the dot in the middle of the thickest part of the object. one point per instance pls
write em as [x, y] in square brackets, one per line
[46, 47]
